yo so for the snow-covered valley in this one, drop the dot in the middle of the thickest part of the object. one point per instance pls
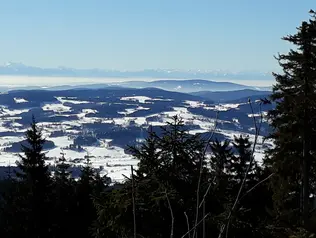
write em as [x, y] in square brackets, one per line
[99, 124]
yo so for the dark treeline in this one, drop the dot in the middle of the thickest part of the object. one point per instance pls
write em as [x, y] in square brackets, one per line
[185, 185]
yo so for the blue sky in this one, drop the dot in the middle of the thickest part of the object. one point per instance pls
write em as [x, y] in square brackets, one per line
[232, 35]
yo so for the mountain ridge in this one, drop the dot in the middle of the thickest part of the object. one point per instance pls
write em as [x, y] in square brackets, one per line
[184, 86]
[12, 68]
[231, 96]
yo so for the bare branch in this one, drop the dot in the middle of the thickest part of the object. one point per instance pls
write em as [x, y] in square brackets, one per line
[187, 219]
[256, 185]
[213, 131]
[133, 198]
[171, 213]
[196, 225]
[205, 194]
[203, 235]
[257, 130]
[200, 175]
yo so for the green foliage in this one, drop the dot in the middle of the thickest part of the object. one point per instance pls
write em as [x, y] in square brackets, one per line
[242, 159]
[32, 164]
[63, 193]
[36, 204]
[293, 120]
[168, 169]
[86, 188]
[28, 200]
[165, 189]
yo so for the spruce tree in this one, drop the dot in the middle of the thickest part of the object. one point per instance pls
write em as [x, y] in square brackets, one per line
[220, 165]
[32, 164]
[168, 168]
[241, 160]
[33, 199]
[293, 121]
[250, 204]
[62, 172]
[64, 199]
[147, 154]
[221, 158]
[85, 211]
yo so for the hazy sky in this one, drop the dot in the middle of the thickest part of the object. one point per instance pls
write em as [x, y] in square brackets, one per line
[139, 34]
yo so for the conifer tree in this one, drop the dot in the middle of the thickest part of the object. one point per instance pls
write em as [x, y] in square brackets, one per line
[241, 160]
[10, 211]
[32, 199]
[249, 204]
[32, 164]
[220, 165]
[62, 172]
[221, 158]
[168, 168]
[293, 120]
[64, 199]
[85, 211]
[147, 154]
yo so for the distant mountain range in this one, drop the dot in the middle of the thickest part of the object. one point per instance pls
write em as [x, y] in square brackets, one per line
[205, 88]
[193, 85]
[232, 96]
[12, 68]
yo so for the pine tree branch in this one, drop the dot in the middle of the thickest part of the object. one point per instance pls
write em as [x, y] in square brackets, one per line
[200, 175]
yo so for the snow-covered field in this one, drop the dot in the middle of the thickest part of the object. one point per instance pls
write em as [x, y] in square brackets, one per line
[111, 159]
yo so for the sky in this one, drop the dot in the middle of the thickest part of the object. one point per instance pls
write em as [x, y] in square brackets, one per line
[233, 35]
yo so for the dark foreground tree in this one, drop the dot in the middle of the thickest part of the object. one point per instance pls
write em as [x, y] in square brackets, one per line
[29, 202]
[294, 123]
[241, 161]
[64, 199]
[89, 186]
[165, 185]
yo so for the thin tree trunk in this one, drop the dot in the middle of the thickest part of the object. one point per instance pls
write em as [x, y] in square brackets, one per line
[306, 135]
[171, 213]
[257, 130]
[133, 198]
[305, 164]
[188, 225]
[305, 188]
[186, 234]
[204, 220]
[200, 175]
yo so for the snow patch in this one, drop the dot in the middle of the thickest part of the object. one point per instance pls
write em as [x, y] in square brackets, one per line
[140, 99]
[88, 111]
[223, 107]
[7, 112]
[194, 104]
[70, 100]
[235, 120]
[20, 100]
[132, 110]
